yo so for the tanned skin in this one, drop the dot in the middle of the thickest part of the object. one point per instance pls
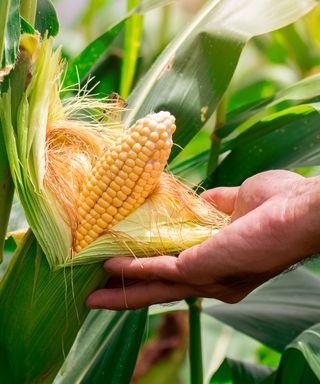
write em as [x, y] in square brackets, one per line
[275, 224]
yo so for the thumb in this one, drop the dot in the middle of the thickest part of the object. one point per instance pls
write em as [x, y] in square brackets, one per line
[223, 198]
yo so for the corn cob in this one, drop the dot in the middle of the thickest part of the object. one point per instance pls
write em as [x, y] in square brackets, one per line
[124, 177]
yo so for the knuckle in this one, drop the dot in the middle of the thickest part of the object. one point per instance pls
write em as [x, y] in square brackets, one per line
[185, 262]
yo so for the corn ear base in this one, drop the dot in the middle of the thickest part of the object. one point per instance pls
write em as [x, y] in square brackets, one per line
[41, 312]
[139, 241]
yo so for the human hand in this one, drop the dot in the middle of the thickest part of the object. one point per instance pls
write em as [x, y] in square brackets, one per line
[275, 224]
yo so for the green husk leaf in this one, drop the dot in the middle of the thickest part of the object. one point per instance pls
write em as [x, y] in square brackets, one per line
[26, 152]
[140, 236]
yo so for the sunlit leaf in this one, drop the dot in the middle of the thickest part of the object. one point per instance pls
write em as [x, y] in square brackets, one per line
[132, 42]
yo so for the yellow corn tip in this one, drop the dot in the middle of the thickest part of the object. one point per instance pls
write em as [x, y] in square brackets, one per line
[124, 177]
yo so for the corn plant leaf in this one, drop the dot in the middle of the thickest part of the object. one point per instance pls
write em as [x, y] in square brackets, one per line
[245, 117]
[79, 67]
[277, 312]
[300, 362]
[245, 122]
[233, 371]
[41, 312]
[261, 127]
[9, 33]
[283, 140]
[82, 65]
[106, 348]
[132, 42]
[191, 75]
[46, 18]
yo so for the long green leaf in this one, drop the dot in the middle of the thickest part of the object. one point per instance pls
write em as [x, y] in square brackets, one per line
[245, 117]
[283, 140]
[192, 74]
[41, 312]
[82, 65]
[277, 312]
[253, 121]
[132, 42]
[106, 348]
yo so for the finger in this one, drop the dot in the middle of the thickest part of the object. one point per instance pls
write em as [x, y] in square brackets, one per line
[223, 198]
[149, 268]
[139, 296]
[119, 281]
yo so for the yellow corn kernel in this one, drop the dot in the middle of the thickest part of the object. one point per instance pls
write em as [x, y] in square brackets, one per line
[124, 177]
